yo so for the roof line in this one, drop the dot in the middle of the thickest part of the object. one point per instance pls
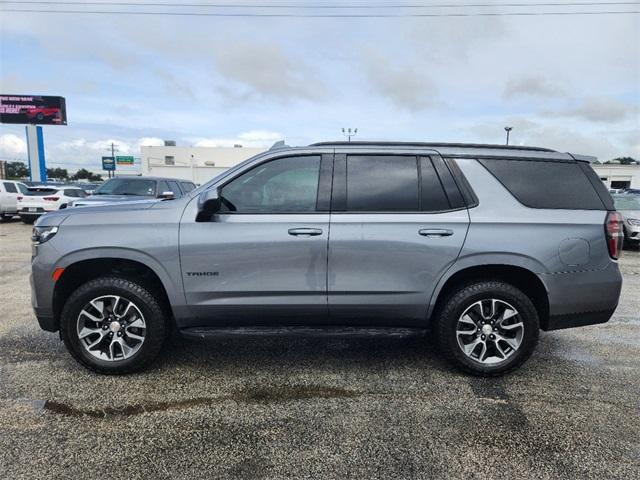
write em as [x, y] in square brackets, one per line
[432, 144]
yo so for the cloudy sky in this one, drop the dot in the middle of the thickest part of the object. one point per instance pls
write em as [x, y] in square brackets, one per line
[565, 82]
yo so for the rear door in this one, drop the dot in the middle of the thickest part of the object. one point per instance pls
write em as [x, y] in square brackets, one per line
[397, 223]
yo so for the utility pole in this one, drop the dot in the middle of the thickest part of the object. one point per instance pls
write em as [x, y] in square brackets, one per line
[113, 155]
[508, 129]
[348, 132]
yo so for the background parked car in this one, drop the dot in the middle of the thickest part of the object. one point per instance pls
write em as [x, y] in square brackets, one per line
[124, 189]
[9, 192]
[40, 200]
[629, 207]
[89, 188]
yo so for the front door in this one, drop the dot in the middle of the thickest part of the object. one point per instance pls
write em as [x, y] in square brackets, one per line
[397, 223]
[263, 258]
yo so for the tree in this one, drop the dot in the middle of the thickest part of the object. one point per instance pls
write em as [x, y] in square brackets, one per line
[84, 174]
[59, 173]
[17, 170]
[623, 161]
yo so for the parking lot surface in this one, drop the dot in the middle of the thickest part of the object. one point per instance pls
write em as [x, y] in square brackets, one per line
[317, 408]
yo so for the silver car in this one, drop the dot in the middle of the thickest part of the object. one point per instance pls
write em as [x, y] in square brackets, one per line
[482, 246]
[629, 207]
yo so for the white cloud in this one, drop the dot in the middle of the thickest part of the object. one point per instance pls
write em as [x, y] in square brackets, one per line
[12, 146]
[532, 86]
[150, 142]
[599, 109]
[253, 138]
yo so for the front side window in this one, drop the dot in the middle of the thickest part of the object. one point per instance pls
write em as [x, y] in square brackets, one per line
[382, 183]
[285, 185]
[173, 187]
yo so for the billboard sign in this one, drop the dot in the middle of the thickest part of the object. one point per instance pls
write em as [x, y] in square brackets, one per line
[124, 160]
[108, 163]
[33, 110]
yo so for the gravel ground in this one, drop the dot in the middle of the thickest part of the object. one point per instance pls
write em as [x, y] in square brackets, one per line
[317, 408]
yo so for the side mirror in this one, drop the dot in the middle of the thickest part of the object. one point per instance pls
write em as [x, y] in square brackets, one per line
[167, 195]
[209, 203]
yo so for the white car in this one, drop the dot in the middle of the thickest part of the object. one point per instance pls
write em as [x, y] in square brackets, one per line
[42, 199]
[9, 192]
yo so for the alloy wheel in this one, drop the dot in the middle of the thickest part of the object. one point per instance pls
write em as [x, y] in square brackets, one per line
[111, 328]
[489, 331]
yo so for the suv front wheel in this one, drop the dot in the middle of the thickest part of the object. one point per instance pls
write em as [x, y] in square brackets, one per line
[487, 328]
[112, 325]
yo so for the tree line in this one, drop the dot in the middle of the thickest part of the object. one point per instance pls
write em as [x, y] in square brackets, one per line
[19, 170]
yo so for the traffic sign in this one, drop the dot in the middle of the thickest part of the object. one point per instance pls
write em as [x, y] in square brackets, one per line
[108, 163]
[124, 160]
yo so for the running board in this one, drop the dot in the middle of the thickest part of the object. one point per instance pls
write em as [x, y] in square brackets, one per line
[328, 331]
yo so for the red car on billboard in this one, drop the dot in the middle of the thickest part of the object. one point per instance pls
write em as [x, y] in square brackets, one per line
[42, 113]
[33, 109]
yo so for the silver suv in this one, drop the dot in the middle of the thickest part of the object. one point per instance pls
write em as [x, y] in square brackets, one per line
[480, 245]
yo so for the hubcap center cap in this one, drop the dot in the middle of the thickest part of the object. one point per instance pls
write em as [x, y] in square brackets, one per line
[487, 329]
[114, 326]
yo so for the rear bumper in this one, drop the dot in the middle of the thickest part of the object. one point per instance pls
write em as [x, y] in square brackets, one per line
[577, 299]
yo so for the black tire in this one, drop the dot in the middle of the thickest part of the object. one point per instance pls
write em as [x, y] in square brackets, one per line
[5, 218]
[465, 296]
[154, 315]
[28, 220]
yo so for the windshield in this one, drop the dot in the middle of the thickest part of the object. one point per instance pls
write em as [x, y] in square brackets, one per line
[127, 186]
[627, 202]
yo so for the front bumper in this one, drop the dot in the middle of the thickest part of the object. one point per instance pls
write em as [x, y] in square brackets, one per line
[584, 298]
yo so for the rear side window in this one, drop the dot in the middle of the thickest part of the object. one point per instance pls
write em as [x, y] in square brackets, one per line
[540, 184]
[10, 187]
[382, 183]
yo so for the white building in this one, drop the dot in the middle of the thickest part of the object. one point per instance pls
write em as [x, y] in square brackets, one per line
[198, 164]
[618, 176]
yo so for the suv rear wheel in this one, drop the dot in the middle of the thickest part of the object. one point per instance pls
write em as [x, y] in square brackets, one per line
[487, 328]
[113, 325]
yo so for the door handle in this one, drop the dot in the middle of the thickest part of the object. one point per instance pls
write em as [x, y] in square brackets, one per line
[305, 232]
[435, 232]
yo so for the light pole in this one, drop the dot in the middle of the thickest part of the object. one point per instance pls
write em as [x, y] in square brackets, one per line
[508, 130]
[348, 132]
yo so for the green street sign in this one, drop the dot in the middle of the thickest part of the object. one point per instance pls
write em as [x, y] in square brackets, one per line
[124, 160]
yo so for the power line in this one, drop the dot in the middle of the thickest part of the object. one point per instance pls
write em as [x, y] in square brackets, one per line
[326, 7]
[332, 15]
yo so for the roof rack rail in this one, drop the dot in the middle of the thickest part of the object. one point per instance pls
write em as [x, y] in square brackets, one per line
[430, 144]
[279, 145]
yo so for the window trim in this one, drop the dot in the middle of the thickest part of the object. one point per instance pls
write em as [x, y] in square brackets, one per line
[323, 178]
[339, 197]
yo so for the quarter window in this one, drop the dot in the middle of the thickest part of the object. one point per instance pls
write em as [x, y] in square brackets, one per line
[10, 187]
[284, 185]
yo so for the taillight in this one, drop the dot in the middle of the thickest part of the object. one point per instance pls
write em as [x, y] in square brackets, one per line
[614, 234]
[19, 198]
[52, 199]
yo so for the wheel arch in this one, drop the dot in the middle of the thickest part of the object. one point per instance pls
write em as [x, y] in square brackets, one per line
[80, 270]
[517, 275]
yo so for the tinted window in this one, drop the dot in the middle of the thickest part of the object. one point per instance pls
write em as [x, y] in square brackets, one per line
[285, 185]
[540, 184]
[127, 186]
[70, 193]
[187, 186]
[382, 183]
[163, 187]
[433, 198]
[173, 186]
[10, 187]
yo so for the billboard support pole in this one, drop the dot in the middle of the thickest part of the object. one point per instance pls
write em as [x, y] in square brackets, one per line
[35, 151]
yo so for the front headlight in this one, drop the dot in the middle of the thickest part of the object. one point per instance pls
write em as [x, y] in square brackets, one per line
[633, 221]
[40, 235]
